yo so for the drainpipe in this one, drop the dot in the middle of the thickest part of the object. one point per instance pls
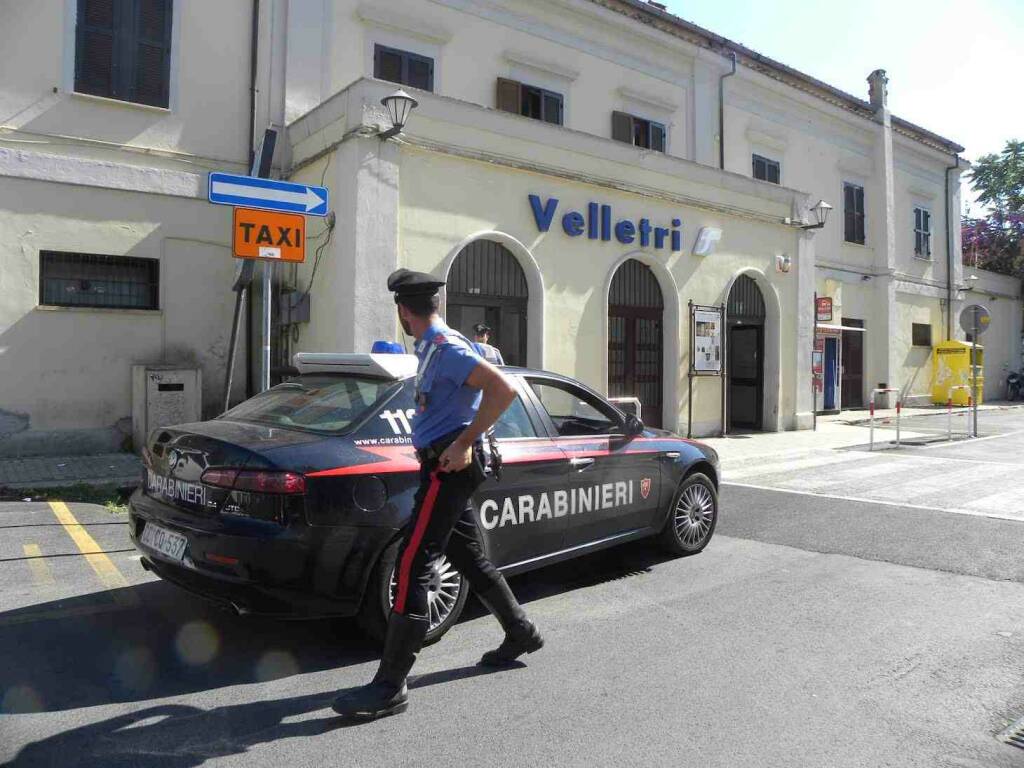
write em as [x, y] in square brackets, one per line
[949, 251]
[253, 51]
[721, 111]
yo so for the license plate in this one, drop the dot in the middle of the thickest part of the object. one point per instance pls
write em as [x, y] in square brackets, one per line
[163, 541]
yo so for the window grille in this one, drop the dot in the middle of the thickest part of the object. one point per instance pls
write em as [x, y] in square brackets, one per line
[921, 334]
[93, 280]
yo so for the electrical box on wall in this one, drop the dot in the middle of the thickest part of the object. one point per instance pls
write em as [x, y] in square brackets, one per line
[163, 395]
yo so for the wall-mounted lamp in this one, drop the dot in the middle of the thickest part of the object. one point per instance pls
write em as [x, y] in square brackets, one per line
[399, 104]
[820, 210]
[783, 263]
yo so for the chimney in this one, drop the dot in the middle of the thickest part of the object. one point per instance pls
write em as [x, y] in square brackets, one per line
[878, 90]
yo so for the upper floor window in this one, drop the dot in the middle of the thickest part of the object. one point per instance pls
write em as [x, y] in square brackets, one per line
[922, 233]
[766, 170]
[529, 101]
[638, 131]
[853, 213]
[403, 67]
[91, 280]
[123, 50]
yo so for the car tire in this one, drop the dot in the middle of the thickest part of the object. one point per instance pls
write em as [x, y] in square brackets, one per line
[447, 600]
[692, 518]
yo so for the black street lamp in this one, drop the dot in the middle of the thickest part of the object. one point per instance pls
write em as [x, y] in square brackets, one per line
[399, 104]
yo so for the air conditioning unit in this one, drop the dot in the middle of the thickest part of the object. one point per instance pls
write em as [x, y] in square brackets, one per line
[164, 395]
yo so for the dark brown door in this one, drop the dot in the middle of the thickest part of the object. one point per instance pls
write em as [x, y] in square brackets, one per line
[746, 377]
[852, 375]
[635, 341]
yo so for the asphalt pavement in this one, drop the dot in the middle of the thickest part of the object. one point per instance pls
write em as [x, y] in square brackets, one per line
[815, 630]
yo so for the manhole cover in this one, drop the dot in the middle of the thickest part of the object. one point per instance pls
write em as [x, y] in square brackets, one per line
[1014, 734]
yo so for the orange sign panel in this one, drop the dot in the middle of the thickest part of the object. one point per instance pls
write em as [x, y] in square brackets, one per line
[268, 235]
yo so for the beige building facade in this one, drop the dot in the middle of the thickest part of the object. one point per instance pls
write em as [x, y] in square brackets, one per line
[542, 126]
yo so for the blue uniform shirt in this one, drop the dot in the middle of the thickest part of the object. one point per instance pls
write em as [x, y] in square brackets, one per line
[446, 359]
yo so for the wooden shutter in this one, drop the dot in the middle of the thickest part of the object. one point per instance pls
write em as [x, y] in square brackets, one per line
[551, 109]
[509, 95]
[95, 47]
[622, 127]
[657, 137]
[151, 51]
[849, 215]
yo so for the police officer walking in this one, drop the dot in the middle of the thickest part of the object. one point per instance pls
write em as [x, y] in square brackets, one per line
[459, 397]
[488, 352]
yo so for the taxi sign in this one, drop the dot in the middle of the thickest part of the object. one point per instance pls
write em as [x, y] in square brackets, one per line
[267, 235]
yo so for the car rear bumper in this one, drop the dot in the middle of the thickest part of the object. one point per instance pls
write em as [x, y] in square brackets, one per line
[288, 572]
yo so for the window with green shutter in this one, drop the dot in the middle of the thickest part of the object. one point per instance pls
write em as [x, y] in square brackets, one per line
[123, 50]
[853, 213]
[922, 233]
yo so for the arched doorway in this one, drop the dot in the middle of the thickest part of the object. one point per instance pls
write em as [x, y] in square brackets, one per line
[746, 313]
[635, 338]
[487, 285]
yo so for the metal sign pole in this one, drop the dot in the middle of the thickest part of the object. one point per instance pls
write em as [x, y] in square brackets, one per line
[261, 164]
[689, 378]
[814, 376]
[974, 368]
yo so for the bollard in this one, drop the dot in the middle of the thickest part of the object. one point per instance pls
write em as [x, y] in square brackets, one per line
[949, 419]
[871, 423]
[898, 405]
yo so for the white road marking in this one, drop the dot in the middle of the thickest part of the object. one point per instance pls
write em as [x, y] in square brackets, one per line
[797, 464]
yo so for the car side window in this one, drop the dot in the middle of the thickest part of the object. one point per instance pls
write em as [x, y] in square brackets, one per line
[514, 422]
[574, 411]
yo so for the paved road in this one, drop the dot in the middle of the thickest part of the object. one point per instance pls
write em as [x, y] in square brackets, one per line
[813, 631]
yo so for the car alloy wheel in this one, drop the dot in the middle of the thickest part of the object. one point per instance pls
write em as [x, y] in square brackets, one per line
[442, 593]
[694, 514]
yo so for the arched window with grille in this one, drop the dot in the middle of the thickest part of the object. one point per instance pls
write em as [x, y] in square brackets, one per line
[487, 285]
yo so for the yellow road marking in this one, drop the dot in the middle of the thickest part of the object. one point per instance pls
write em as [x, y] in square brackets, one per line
[94, 555]
[41, 572]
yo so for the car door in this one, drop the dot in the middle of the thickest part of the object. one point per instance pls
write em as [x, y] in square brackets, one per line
[614, 480]
[523, 515]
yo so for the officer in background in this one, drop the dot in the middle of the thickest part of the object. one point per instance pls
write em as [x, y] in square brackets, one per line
[483, 337]
[459, 397]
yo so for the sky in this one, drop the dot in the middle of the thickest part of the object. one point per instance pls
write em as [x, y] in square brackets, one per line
[955, 67]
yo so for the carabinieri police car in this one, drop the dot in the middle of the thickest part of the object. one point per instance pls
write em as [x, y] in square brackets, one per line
[292, 503]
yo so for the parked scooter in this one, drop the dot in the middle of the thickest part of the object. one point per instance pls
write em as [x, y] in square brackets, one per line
[1014, 385]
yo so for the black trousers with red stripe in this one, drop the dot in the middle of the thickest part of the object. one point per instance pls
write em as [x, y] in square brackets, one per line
[442, 523]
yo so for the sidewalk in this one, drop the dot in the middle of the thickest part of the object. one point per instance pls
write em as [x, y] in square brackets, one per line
[835, 431]
[54, 471]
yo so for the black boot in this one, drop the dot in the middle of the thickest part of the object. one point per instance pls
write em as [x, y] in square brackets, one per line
[521, 635]
[386, 694]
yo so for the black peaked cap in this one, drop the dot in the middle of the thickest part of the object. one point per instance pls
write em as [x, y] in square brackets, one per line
[405, 282]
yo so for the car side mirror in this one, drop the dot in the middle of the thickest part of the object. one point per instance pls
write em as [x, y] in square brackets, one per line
[633, 426]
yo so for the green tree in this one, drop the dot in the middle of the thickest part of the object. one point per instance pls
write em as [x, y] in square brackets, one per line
[996, 240]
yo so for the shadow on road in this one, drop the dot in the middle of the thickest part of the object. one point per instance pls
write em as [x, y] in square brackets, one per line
[152, 641]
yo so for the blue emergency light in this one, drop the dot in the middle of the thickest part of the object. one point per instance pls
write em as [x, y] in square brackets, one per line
[386, 348]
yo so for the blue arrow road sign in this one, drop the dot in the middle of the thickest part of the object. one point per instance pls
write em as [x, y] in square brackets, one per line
[267, 194]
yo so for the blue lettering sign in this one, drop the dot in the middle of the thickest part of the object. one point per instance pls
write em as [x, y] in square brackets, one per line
[543, 214]
[599, 224]
[572, 223]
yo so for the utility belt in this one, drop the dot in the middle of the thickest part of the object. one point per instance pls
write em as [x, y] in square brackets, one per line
[486, 459]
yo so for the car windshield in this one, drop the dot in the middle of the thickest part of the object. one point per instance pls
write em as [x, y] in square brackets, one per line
[319, 402]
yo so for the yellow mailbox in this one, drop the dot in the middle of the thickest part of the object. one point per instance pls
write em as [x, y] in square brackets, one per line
[951, 367]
